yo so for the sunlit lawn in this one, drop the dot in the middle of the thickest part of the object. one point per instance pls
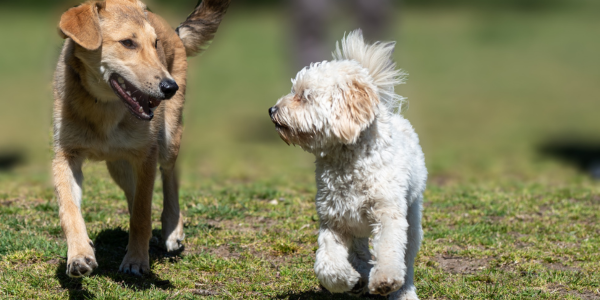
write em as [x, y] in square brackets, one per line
[486, 92]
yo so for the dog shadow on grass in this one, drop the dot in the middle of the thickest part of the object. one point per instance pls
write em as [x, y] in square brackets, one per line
[10, 158]
[316, 295]
[581, 153]
[322, 293]
[110, 245]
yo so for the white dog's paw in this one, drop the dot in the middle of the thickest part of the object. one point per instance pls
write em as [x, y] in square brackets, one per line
[336, 279]
[385, 281]
[405, 293]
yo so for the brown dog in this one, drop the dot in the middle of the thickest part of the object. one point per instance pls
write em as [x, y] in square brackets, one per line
[118, 63]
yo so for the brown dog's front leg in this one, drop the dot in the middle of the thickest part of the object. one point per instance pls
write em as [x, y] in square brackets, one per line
[172, 220]
[68, 179]
[137, 260]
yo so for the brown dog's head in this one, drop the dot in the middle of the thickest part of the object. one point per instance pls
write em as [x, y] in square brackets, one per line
[119, 51]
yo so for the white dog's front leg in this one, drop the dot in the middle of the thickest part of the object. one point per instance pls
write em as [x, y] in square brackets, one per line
[360, 258]
[332, 267]
[389, 245]
[415, 235]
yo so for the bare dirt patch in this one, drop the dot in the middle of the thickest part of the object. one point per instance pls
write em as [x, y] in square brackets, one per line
[462, 265]
[8, 202]
[55, 261]
[201, 292]
[564, 290]
[224, 252]
[248, 224]
[561, 267]
[258, 250]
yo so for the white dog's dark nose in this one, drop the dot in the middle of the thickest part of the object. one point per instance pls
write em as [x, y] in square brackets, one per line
[272, 111]
[169, 87]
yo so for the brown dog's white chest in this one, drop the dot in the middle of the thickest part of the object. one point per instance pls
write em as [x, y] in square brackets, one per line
[105, 131]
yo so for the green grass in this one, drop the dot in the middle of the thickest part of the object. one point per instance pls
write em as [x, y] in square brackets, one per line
[501, 220]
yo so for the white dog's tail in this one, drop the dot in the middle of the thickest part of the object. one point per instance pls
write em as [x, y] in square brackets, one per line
[377, 58]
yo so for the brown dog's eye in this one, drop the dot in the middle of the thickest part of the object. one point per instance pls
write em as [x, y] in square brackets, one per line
[156, 44]
[127, 44]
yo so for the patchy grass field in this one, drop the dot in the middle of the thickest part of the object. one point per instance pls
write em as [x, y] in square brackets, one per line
[487, 92]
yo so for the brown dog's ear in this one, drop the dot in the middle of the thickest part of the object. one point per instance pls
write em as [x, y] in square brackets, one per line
[358, 111]
[137, 3]
[110, 2]
[82, 25]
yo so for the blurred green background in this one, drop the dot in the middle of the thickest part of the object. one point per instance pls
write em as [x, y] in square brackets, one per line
[491, 83]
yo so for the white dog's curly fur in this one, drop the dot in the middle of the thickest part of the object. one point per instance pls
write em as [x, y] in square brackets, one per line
[370, 168]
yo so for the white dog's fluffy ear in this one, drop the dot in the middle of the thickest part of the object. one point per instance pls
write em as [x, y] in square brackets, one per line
[377, 58]
[359, 103]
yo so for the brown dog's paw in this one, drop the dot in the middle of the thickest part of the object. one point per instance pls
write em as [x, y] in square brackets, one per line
[174, 239]
[173, 244]
[84, 262]
[384, 283]
[172, 232]
[81, 265]
[135, 265]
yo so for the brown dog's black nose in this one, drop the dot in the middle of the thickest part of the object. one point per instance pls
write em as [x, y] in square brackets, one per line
[169, 87]
[272, 111]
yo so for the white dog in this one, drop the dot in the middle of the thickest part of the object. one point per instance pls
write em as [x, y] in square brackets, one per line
[370, 168]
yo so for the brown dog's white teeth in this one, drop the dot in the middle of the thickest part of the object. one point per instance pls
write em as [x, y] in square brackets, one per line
[134, 99]
[121, 80]
[128, 93]
[141, 110]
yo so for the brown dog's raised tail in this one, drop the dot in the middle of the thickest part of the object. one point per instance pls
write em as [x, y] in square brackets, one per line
[200, 27]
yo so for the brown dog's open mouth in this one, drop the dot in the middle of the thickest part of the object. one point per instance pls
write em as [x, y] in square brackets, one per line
[140, 105]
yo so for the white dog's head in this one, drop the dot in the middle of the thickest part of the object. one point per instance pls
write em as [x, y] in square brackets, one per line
[331, 103]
